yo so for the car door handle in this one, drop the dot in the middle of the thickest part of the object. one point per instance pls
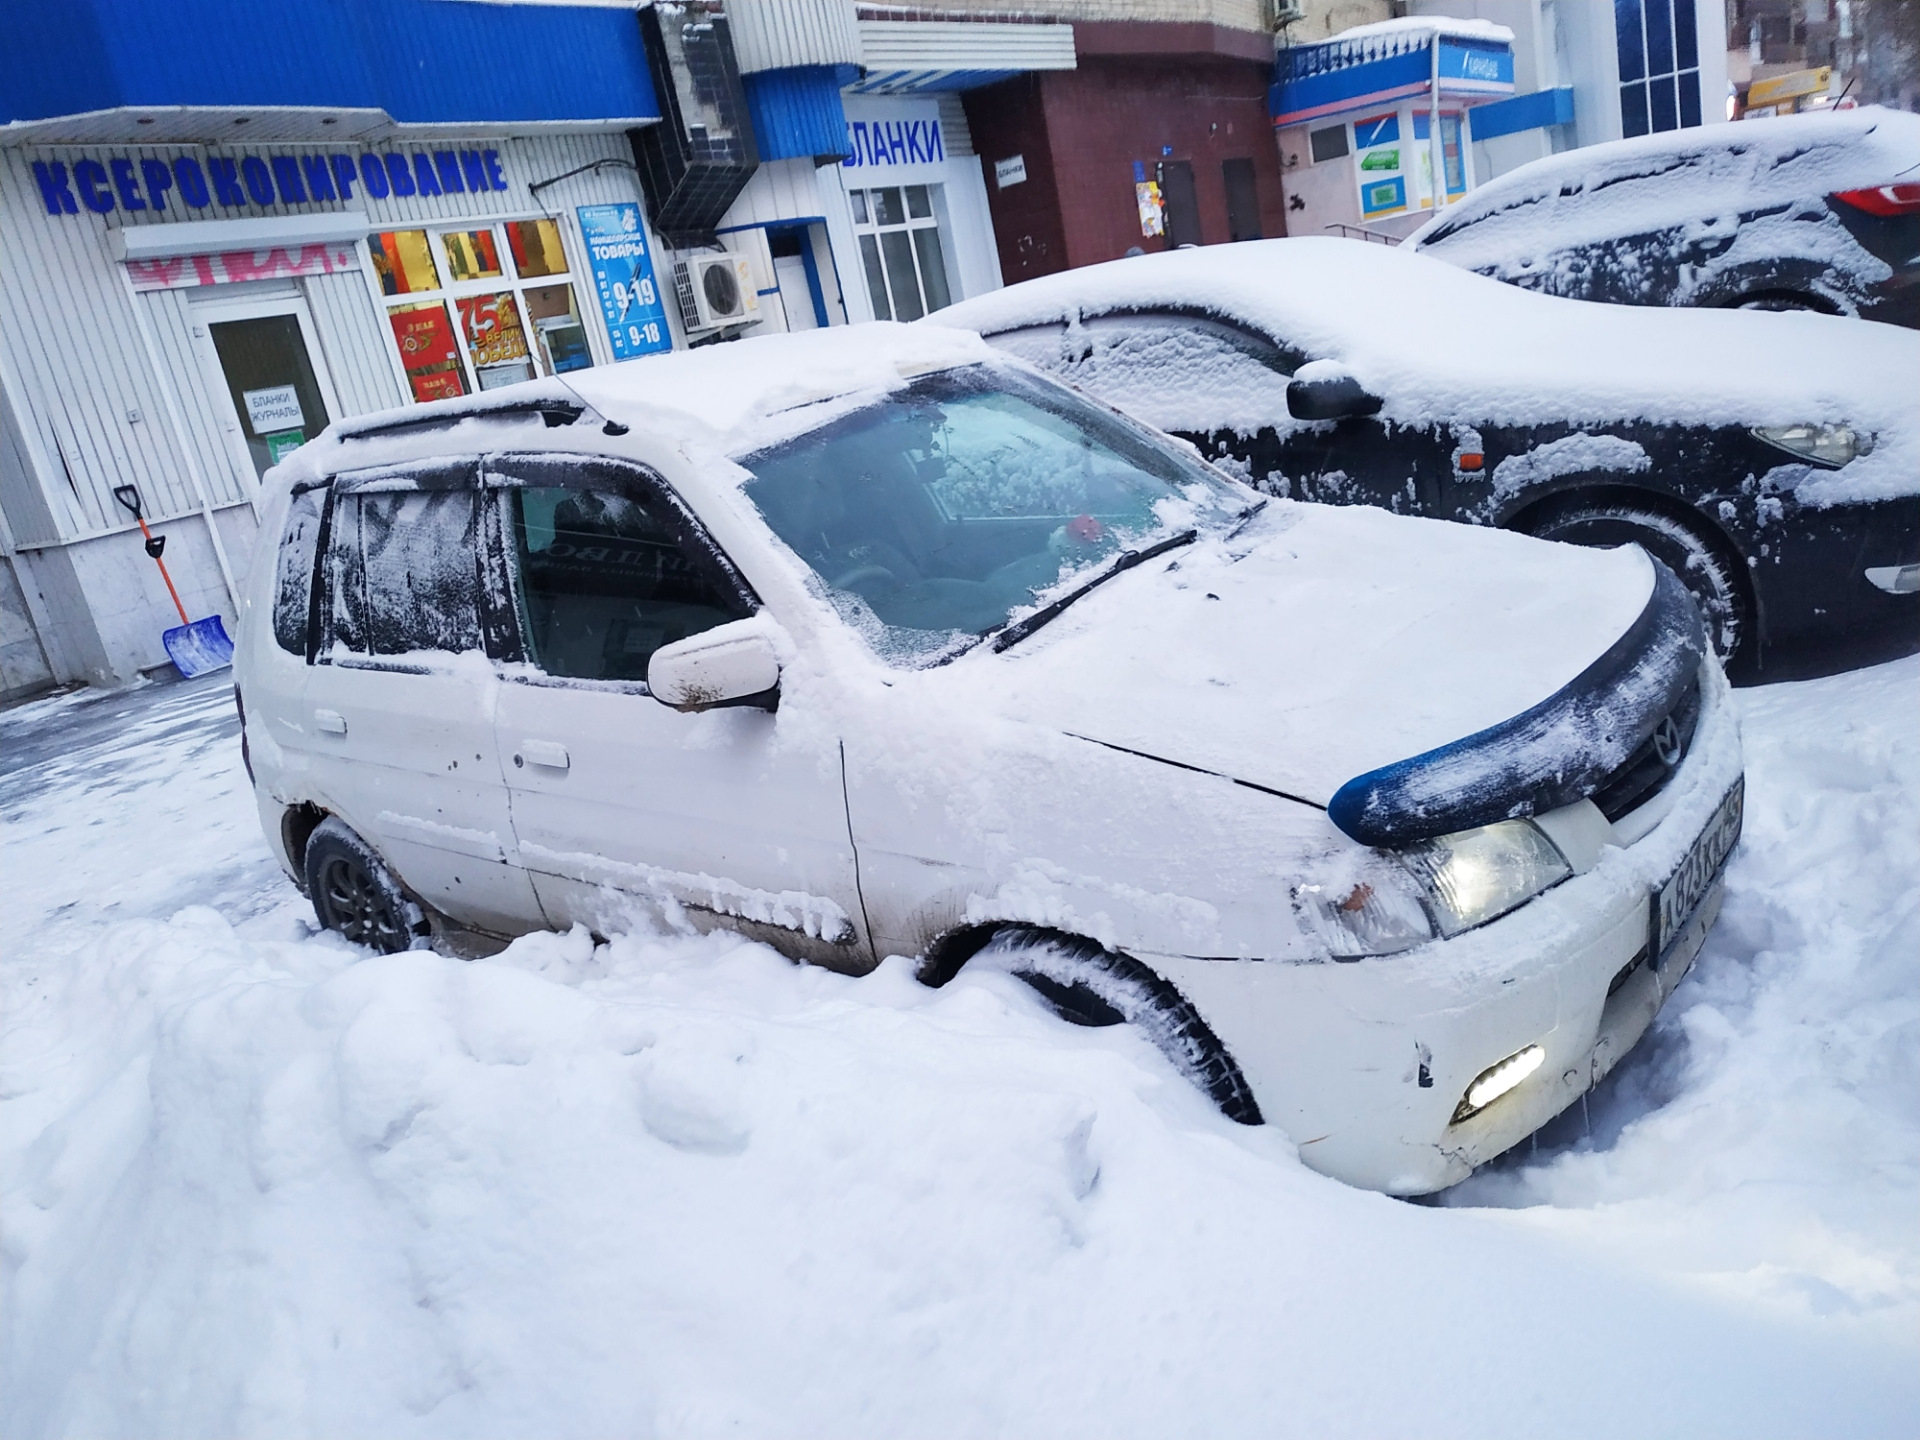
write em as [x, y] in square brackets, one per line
[329, 722]
[550, 754]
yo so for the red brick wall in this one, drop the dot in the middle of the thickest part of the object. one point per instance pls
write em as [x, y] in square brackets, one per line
[1086, 127]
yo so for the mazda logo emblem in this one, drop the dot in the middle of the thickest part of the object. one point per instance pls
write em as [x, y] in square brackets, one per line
[1668, 743]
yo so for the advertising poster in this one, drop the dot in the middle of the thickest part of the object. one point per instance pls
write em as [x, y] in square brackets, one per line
[623, 279]
[1153, 205]
[426, 350]
[1378, 166]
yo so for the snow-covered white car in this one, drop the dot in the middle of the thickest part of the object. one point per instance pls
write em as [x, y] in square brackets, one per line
[875, 642]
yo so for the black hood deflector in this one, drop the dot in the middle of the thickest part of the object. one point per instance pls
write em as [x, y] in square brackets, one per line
[1560, 751]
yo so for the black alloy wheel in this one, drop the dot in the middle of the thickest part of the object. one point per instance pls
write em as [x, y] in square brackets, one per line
[354, 893]
[1703, 565]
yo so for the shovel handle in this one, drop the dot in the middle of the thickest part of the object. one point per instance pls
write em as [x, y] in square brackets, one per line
[129, 496]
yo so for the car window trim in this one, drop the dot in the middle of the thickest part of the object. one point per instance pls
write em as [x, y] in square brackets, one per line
[694, 539]
[387, 479]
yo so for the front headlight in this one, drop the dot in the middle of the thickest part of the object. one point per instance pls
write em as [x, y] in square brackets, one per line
[1388, 901]
[1830, 445]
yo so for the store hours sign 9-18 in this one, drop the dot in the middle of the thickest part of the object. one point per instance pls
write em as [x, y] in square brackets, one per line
[623, 279]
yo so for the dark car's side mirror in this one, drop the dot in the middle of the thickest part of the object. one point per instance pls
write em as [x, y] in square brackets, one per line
[1325, 391]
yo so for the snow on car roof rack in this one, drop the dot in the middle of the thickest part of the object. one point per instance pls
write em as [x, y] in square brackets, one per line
[552, 402]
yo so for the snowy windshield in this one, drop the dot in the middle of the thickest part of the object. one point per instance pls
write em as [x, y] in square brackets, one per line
[936, 514]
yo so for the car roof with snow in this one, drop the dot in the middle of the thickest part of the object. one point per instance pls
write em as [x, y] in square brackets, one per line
[1440, 344]
[1629, 187]
[718, 399]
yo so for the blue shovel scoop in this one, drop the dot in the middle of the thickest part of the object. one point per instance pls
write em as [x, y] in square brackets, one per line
[195, 646]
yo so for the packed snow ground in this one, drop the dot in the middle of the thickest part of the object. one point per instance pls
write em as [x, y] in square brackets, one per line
[255, 1182]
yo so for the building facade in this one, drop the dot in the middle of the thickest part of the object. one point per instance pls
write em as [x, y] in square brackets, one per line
[1505, 81]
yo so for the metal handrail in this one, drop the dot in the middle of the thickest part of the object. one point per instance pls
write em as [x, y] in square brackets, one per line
[1361, 232]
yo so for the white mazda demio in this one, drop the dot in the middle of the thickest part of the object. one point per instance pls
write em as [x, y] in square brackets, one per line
[874, 642]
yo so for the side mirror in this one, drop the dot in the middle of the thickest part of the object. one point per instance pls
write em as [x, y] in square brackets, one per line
[1326, 390]
[732, 664]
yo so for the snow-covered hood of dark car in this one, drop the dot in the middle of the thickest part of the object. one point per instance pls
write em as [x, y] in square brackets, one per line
[1321, 644]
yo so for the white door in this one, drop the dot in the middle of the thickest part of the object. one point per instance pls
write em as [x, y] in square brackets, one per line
[398, 713]
[732, 816]
[260, 352]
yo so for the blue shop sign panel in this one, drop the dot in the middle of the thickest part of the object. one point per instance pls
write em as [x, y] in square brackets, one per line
[623, 278]
[236, 182]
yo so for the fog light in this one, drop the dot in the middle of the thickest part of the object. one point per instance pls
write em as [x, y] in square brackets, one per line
[1496, 1080]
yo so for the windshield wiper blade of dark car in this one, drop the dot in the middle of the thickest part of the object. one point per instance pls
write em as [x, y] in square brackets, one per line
[1020, 629]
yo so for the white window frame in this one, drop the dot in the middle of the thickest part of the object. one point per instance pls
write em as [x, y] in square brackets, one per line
[933, 220]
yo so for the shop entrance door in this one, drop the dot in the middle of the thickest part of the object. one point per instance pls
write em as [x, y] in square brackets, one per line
[261, 353]
[1183, 205]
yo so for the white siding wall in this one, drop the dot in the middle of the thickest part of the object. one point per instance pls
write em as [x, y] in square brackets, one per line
[71, 343]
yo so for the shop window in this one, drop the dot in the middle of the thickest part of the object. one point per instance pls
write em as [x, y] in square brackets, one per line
[536, 248]
[496, 341]
[403, 262]
[563, 338]
[471, 321]
[902, 250]
[472, 255]
[1659, 53]
[427, 352]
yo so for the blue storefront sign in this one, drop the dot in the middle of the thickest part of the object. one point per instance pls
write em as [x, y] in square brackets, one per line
[623, 277]
[235, 182]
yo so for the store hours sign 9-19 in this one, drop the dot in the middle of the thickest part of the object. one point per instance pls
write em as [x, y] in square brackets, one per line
[623, 279]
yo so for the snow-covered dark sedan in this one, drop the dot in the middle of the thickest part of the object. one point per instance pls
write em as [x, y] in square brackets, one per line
[1772, 461]
[1803, 212]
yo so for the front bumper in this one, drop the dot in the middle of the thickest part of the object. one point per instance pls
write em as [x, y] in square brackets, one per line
[1365, 1063]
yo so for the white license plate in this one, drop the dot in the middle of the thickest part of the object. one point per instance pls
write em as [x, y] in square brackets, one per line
[1675, 901]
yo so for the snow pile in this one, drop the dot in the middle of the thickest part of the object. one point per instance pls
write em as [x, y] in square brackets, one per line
[256, 1182]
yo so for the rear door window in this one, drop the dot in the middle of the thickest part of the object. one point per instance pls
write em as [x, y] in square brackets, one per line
[1185, 373]
[406, 567]
[609, 567]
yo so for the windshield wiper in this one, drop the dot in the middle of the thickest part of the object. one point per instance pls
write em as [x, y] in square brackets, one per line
[1019, 630]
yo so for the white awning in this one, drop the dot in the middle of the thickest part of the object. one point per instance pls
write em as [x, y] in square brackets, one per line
[218, 237]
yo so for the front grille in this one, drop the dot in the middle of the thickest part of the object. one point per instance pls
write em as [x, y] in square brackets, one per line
[1646, 772]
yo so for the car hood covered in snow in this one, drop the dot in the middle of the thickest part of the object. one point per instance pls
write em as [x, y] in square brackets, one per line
[1533, 360]
[1321, 644]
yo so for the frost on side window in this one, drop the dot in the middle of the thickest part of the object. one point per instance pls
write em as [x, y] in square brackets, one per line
[404, 572]
[293, 581]
[1180, 372]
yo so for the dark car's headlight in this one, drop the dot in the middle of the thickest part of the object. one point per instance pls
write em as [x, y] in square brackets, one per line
[1388, 901]
[1830, 445]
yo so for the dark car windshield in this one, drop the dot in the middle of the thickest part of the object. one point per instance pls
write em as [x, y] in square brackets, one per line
[935, 514]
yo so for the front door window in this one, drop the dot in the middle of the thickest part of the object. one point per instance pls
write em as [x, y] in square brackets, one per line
[270, 376]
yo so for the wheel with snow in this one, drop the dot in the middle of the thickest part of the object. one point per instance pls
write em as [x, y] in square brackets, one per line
[1088, 985]
[355, 893]
[1703, 564]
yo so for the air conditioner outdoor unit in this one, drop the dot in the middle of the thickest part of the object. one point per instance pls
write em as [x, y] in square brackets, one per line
[1287, 12]
[716, 291]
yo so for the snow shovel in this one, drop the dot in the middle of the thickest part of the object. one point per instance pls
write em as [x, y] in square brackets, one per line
[196, 647]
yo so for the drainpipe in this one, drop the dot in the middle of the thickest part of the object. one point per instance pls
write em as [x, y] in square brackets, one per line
[1436, 148]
